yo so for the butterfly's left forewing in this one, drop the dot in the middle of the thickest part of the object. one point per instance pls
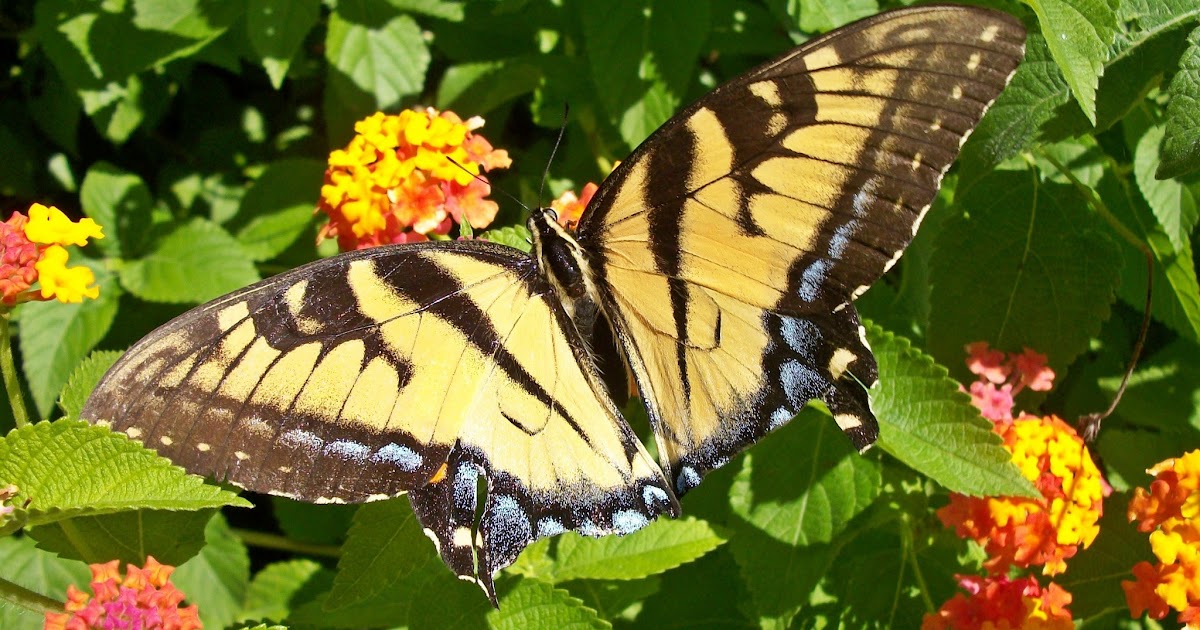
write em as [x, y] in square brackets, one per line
[729, 247]
[420, 368]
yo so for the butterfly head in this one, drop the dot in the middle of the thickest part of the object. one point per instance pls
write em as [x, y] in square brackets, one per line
[558, 255]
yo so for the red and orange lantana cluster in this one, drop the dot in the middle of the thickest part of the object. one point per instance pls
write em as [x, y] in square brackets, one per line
[569, 207]
[1020, 532]
[1170, 513]
[144, 598]
[33, 250]
[407, 177]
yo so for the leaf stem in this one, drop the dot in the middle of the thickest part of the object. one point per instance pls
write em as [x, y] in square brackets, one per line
[910, 554]
[9, 368]
[23, 598]
[283, 543]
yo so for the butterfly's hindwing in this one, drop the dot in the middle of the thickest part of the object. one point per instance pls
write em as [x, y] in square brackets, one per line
[371, 374]
[769, 205]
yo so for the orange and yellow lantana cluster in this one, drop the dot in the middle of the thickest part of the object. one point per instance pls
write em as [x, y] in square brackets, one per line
[1001, 603]
[569, 207]
[144, 598]
[32, 249]
[403, 178]
[1170, 512]
[1020, 532]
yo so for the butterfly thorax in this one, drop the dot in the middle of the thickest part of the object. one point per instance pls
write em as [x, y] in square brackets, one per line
[562, 262]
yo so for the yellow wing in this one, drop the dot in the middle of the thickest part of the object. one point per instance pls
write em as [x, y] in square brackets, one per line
[729, 247]
[414, 368]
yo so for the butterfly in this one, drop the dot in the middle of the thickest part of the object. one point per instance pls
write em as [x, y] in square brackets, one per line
[718, 264]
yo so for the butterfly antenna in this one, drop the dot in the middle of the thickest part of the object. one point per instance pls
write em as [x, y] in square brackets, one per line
[484, 180]
[562, 130]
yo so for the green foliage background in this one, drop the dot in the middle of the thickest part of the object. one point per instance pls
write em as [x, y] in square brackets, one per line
[196, 132]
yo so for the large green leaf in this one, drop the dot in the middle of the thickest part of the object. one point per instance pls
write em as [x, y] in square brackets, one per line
[1181, 147]
[83, 380]
[196, 262]
[390, 575]
[535, 604]
[1078, 33]
[55, 337]
[216, 579]
[39, 571]
[278, 208]
[926, 422]
[171, 537]
[376, 56]
[1027, 266]
[276, 28]
[797, 489]
[278, 587]
[120, 202]
[70, 468]
[1173, 204]
[661, 546]
[642, 56]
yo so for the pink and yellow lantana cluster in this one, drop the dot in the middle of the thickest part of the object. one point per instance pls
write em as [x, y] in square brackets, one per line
[1170, 513]
[33, 250]
[998, 602]
[406, 177]
[1020, 532]
[144, 598]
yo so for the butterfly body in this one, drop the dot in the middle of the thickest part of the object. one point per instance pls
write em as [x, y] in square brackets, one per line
[722, 257]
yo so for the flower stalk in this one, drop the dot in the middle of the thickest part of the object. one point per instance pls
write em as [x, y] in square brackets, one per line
[9, 369]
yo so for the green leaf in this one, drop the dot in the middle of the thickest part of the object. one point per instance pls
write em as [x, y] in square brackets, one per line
[120, 202]
[536, 604]
[614, 599]
[55, 337]
[798, 488]
[171, 537]
[1023, 269]
[1094, 575]
[707, 593]
[642, 58]
[1181, 147]
[278, 208]
[1175, 300]
[818, 16]
[39, 571]
[450, 10]
[78, 36]
[927, 423]
[516, 236]
[196, 262]
[390, 575]
[1078, 33]
[378, 52]
[659, 547]
[276, 28]
[1174, 205]
[1019, 114]
[278, 587]
[317, 524]
[70, 468]
[216, 579]
[83, 380]
[486, 85]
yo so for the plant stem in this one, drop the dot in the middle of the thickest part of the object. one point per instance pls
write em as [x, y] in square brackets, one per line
[9, 368]
[23, 598]
[283, 543]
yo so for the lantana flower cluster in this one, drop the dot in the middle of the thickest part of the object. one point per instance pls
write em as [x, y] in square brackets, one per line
[33, 250]
[569, 207]
[993, 603]
[143, 598]
[1170, 513]
[1021, 532]
[406, 177]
